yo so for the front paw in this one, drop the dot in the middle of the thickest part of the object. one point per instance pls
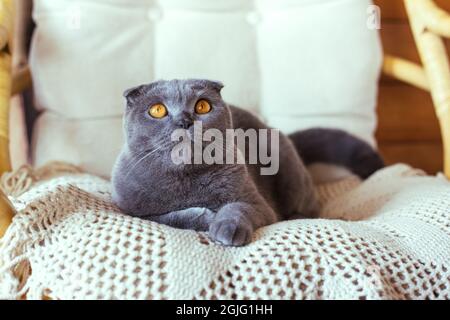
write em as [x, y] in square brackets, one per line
[230, 232]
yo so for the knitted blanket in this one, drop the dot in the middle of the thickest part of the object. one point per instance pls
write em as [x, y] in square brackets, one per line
[385, 238]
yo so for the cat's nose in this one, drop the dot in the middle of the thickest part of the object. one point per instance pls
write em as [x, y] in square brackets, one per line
[185, 122]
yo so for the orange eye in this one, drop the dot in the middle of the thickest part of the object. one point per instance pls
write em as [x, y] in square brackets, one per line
[202, 107]
[157, 111]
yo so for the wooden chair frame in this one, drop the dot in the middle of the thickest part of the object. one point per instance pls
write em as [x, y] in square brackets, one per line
[428, 22]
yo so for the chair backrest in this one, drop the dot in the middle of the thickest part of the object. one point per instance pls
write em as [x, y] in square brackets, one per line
[298, 64]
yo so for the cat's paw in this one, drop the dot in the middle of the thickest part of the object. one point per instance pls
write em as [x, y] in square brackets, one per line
[230, 232]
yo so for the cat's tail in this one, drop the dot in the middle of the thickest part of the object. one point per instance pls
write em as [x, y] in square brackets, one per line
[339, 148]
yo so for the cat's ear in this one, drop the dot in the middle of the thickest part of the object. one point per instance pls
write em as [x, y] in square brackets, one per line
[216, 85]
[131, 93]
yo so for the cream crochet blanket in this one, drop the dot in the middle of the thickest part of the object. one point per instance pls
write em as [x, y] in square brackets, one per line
[68, 241]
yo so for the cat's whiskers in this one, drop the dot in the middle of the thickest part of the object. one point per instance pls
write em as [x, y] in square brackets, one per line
[143, 158]
[142, 153]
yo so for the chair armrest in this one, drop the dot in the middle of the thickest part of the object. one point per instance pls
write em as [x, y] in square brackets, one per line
[429, 24]
[6, 22]
[435, 19]
[406, 71]
[6, 27]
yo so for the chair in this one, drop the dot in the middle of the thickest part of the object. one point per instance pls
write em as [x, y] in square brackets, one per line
[429, 24]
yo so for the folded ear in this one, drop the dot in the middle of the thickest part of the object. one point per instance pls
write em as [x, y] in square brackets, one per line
[216, 85]
[133, 92]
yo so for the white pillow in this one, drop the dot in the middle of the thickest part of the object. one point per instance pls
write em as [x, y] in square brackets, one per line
[298, 63]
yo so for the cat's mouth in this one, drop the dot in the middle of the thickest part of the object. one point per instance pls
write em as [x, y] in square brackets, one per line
[190, 136]
[193, 135]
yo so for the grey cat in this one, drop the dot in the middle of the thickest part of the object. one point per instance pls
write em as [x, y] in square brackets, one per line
[230, 201]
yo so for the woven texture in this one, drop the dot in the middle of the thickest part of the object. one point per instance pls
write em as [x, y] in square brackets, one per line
[68, 241]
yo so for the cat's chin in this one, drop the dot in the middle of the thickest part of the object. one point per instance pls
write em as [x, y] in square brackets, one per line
[188, 167]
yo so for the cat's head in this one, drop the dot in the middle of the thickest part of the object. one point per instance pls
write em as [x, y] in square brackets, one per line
[154, 111]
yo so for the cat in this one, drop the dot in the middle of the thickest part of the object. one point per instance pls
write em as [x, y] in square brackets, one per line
[229, 201]
[338, 148]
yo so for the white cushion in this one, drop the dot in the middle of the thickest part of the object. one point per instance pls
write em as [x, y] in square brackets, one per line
[92, 144]
[299, 64]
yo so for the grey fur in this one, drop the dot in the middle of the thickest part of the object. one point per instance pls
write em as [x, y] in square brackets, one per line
[337, 147]
[229, 201]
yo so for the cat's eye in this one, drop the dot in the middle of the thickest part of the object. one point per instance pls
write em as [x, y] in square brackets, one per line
[157, 111]
[202, 107]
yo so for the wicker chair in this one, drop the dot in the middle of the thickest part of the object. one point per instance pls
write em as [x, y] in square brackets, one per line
[428, 22]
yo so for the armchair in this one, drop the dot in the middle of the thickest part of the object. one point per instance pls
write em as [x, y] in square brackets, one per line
[429, 23]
